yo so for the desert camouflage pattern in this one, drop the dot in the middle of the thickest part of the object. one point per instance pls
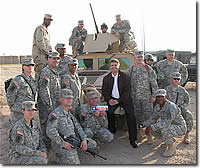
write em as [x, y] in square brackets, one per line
[181, 98]
[94, 127]
[165, 69]
[64, 123]
[167, 122]
[26, 144]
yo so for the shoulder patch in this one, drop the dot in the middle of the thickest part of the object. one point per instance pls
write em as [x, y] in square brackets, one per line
[54, 114]
[66, 83]
[16, 83]
[53, 117]
[19, 132]
[46, 78]
[41, 28]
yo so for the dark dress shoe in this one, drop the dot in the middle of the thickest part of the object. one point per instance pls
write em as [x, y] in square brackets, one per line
[134, 144]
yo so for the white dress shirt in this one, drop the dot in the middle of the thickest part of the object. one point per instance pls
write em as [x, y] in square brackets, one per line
[115, 91]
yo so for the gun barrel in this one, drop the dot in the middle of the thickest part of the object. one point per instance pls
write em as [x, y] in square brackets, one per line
[94, 19]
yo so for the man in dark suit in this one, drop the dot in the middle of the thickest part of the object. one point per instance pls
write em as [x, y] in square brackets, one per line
[116, 89]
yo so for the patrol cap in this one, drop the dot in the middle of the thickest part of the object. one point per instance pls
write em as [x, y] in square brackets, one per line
[48, 16]
[175, 75]
[53, 55]
[148, 56]
[104, 26]
[27, 61]
[60, 45]
[73, 61]
[114, 60]
[161, 92]
[28, 105]
[92, 94]
[118, 17]
[80, 22]
[67, 93]
[170, 52]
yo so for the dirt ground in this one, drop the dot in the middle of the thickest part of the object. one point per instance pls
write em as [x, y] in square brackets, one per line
[118, 151]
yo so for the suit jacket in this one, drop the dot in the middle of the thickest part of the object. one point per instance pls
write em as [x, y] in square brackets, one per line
[123, 87]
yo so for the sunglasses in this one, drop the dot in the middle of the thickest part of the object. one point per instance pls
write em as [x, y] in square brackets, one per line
[176, 78]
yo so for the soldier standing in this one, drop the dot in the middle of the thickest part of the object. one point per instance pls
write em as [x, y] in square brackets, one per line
[93, 122]
[49, 86]
[62, 124]
[121, 29]
[143, 87]
[166, 122]
[148, 59]
[22, 88]
[25, 142]
[77, 38]
[168, 66]
[178, 95]
[71, 81]
[62, 67]
[41, 45]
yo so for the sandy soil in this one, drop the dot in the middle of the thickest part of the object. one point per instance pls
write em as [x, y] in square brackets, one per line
[118, 151]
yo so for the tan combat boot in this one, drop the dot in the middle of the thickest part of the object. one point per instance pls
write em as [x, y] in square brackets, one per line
[170, 150]
[187, 138]
[149, 139]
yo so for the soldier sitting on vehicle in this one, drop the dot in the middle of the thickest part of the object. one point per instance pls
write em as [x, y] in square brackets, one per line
[93, 121]
[104, 28]
[25, 141]
[178, 95]
[166, 122]
[77, 38]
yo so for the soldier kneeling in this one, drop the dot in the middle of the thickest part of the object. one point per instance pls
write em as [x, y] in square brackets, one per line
[25, 143]
[166, 122]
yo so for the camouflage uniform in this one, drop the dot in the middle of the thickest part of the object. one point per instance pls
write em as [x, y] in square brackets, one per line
[78, 44]
[166, 122]
[19, 91]
[94, 127]
[181, 98]
[61, 122]
[48, 95]
[41, 48]
[126, 36]
[164, 70]
[25, 142]
[143, 86]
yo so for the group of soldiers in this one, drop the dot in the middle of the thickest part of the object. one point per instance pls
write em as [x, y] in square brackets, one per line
[63, 114]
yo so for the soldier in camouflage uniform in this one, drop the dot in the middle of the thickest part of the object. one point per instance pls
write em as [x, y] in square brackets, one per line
[143, 88]
[148, 59]
[121, 29]
[62, 124]
[22, 88]
[25, 142]
[49, 86]
[94, 123]
[178, 95]
[77, 38]
[104, 28]
[41, 45]
[166, 122]
[71, 81]
[168, 66]
[62, 67]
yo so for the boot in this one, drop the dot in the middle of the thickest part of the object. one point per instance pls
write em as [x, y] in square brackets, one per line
[139, 133]
[149, 139]
[170, 150]
[187, 138]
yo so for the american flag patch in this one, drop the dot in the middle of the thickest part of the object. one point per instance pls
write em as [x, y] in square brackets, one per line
[66, 83]
[16, 83]
[54, 114]
[46, 78]
[20, 132]
[99, 108]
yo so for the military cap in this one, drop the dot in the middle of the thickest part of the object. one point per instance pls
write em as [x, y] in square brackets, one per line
[114, 60]
[48, 16]
[60, 45]
[104, 26]
[80, 22]
[27, 61]
[161, 92]
[92, 94]
[148, 57]
[53, 55]
[169, 51]
[67, 93]
[175, 75]
[139, 55]
[28, 105]
[118, 17]
[73, 61]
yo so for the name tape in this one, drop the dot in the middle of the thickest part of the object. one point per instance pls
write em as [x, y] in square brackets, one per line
[99, 108]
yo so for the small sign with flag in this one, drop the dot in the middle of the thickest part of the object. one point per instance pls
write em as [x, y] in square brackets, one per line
[99, 108]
